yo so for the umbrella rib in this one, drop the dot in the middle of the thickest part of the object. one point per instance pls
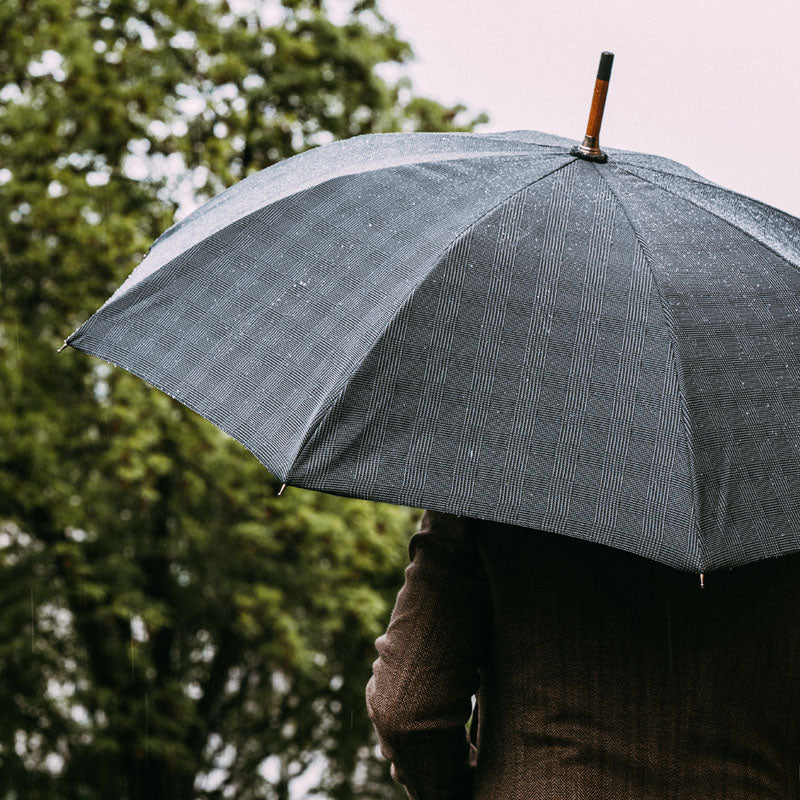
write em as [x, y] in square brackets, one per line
[564, 148]
[498, 136]
[714, 213]
[155, 259]
[336, 395]
[678, 375]
[700, 181]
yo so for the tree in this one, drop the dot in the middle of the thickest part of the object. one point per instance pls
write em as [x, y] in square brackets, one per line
[171, 628]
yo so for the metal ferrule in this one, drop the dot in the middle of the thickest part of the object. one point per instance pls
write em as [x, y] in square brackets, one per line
[589, 149]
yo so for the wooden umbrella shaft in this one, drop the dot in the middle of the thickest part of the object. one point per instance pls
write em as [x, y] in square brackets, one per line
[590, 147]
[598, 106]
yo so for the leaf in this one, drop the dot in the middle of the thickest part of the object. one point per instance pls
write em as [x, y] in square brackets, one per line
[118, 504]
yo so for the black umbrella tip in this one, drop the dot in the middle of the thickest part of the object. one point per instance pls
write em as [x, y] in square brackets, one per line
[604, 70]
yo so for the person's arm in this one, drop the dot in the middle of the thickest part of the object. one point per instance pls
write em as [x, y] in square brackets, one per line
[419, 697]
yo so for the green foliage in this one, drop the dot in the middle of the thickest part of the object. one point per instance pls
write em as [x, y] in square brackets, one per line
[169, 628]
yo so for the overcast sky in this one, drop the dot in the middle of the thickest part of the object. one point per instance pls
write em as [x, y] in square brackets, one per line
[715, 85]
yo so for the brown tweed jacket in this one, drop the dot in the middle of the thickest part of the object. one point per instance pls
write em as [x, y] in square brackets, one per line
[599, 675]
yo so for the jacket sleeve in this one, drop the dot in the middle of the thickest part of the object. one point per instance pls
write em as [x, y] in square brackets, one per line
[419, 696]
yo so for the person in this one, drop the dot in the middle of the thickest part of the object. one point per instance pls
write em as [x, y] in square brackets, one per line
[598, 674]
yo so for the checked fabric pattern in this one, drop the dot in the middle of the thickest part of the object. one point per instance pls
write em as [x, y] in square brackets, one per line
[484, 325]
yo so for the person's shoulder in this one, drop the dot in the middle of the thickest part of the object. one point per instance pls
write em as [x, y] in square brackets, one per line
[449, 531]
[445, 525]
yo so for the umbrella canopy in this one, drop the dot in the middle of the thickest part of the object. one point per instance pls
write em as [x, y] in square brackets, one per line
[488, 325]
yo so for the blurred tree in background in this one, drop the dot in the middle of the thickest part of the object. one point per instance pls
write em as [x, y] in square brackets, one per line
[168, 627]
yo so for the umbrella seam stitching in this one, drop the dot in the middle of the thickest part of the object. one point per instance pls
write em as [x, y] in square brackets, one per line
[493, 135]
[326, 408]
[563, 147]
[713, 213]
[700, 180]
[678, 376]
[498, 137]
[460, 155]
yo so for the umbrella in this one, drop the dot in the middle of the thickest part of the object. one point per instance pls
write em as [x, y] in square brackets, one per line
[600, 344]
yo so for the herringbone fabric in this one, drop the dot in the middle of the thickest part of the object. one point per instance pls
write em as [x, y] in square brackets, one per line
[600, 675]
[482, 324]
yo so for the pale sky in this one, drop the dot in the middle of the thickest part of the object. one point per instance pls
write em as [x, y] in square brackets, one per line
[713, 84]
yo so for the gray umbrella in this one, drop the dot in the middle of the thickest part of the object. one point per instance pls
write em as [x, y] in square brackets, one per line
[494, 325]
